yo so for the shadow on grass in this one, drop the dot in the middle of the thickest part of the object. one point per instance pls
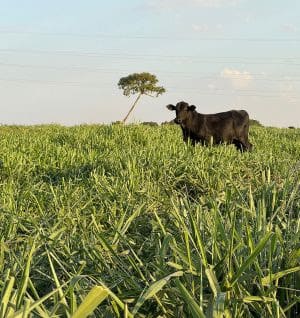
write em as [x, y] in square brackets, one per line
[56, 176]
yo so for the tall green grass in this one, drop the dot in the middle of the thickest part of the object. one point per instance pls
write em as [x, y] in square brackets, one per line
[128, 221]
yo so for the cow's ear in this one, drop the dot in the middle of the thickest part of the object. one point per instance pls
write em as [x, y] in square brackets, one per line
[192, 107]
[171, 107]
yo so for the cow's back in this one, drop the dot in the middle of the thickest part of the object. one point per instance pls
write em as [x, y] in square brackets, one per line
[240, 117]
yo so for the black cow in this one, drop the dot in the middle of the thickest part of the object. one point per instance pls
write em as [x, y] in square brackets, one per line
[230, 127]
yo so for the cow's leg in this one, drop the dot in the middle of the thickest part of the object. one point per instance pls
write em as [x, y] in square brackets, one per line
[238, 145]
[246, 143]
[185, 136]
[242, 144]
[193, 141]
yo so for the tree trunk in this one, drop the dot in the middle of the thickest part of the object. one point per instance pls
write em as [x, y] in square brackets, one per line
[132, 107]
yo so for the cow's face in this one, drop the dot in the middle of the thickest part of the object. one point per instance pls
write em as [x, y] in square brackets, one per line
[183, 111]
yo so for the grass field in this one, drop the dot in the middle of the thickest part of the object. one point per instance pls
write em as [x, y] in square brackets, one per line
[128, 221]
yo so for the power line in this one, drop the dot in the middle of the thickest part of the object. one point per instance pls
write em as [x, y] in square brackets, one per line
[111, 52]
[191, 58]
[232, 91]
[116, 52]
[170, 89]
[254, 76]
[148, 37]
[49, 82]
[240, 95]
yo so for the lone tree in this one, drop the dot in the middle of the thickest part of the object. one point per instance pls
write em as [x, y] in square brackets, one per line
[141, 84]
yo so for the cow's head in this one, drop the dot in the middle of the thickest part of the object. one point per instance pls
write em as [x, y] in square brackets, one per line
[183, 111]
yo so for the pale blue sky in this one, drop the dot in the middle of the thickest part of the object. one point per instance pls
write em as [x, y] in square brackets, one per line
[60, 61]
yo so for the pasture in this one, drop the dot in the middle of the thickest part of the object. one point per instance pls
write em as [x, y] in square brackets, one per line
[128, 221]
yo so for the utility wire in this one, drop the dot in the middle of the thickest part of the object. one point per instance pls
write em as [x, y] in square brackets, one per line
[254, 76]
[148, 37]
[289, 61]
[170, 89]
[108, 52]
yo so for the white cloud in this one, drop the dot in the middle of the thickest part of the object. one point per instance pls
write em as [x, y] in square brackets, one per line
[200, 28]
[238, 79]
[216, 3]
[168, 4]
[204, 28]
[289, 28]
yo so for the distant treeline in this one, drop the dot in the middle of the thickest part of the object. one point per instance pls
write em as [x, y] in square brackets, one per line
[253, 122]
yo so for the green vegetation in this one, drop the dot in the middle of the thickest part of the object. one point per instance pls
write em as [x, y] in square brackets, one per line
[128, 221]
[254, 122]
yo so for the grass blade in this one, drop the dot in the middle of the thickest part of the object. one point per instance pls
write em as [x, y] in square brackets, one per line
[267, 279]
[250, 259]
[153, 289]
[93, 299]
[195, 309]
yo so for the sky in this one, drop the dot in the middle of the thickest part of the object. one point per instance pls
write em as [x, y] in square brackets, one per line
[61, 60]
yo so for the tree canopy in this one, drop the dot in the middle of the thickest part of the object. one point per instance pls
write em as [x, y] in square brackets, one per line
[141, 84]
